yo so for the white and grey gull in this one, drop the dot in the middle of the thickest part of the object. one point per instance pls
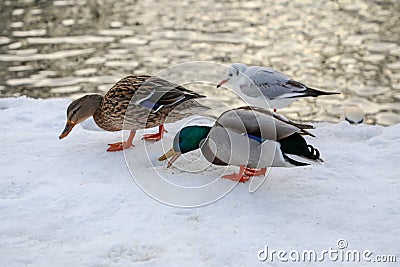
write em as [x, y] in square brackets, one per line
[267, 88]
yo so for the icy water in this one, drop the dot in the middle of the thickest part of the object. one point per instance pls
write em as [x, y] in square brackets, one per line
[66, 48]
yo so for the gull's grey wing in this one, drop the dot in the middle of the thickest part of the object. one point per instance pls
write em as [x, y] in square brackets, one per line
[273, 84]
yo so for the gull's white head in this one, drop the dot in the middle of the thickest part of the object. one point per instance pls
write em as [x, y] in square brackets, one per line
[233, 73]
[354, 115]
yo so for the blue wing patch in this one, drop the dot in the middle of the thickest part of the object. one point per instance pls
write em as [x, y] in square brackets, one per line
[149, 104]
[258, 139]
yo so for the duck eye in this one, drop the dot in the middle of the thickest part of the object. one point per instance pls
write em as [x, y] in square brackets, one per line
[230, 74]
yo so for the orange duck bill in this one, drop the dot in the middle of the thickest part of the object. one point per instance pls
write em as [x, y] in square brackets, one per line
[67, 129]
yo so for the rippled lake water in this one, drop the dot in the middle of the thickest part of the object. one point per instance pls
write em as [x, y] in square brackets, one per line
[66, 48]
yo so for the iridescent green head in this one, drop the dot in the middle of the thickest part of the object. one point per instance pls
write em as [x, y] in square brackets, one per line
[187, 139]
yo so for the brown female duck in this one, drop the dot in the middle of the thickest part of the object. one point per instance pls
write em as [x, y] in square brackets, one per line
[135, 102]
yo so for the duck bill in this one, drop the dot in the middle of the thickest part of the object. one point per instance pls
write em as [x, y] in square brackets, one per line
[67, 129]
[170, 154]
[222, 82]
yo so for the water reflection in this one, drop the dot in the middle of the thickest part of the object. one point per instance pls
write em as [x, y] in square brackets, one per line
[68, 48]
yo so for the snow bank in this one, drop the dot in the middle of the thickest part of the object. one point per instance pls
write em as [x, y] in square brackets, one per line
[71, 203]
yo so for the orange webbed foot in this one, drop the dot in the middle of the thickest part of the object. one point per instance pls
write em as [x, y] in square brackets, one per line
[119, 146]
[153, 137]
[255, 172]
[245, 174]
[157, 136]
[236, 177]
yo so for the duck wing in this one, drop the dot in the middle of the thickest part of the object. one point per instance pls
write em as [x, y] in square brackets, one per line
[157, 93]
[149, 92]
[260, 124]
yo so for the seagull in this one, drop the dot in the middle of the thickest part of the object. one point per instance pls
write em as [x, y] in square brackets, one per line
[354, 115]
[267, 88]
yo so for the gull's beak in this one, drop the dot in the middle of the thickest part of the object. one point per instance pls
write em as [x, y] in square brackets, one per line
[170, 154]
[222, 82]
[67, 129]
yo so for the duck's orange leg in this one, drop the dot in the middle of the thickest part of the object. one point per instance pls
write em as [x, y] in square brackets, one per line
[122, 145]
[255, 172]
[156, 136]
[240, 177]
[245, 174]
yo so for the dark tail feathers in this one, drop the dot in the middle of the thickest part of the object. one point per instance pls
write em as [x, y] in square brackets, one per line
[295, 144]
[309, 91]
[314, 92]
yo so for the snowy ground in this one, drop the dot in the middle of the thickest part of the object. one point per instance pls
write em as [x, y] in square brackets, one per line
[71, 203]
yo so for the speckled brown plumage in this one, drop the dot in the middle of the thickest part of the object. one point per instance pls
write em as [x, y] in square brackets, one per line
[119, 108]
[133, 103]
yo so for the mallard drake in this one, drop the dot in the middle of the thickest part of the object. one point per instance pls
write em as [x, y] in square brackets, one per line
[135, 102]
[249, 137]
[267, 88]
